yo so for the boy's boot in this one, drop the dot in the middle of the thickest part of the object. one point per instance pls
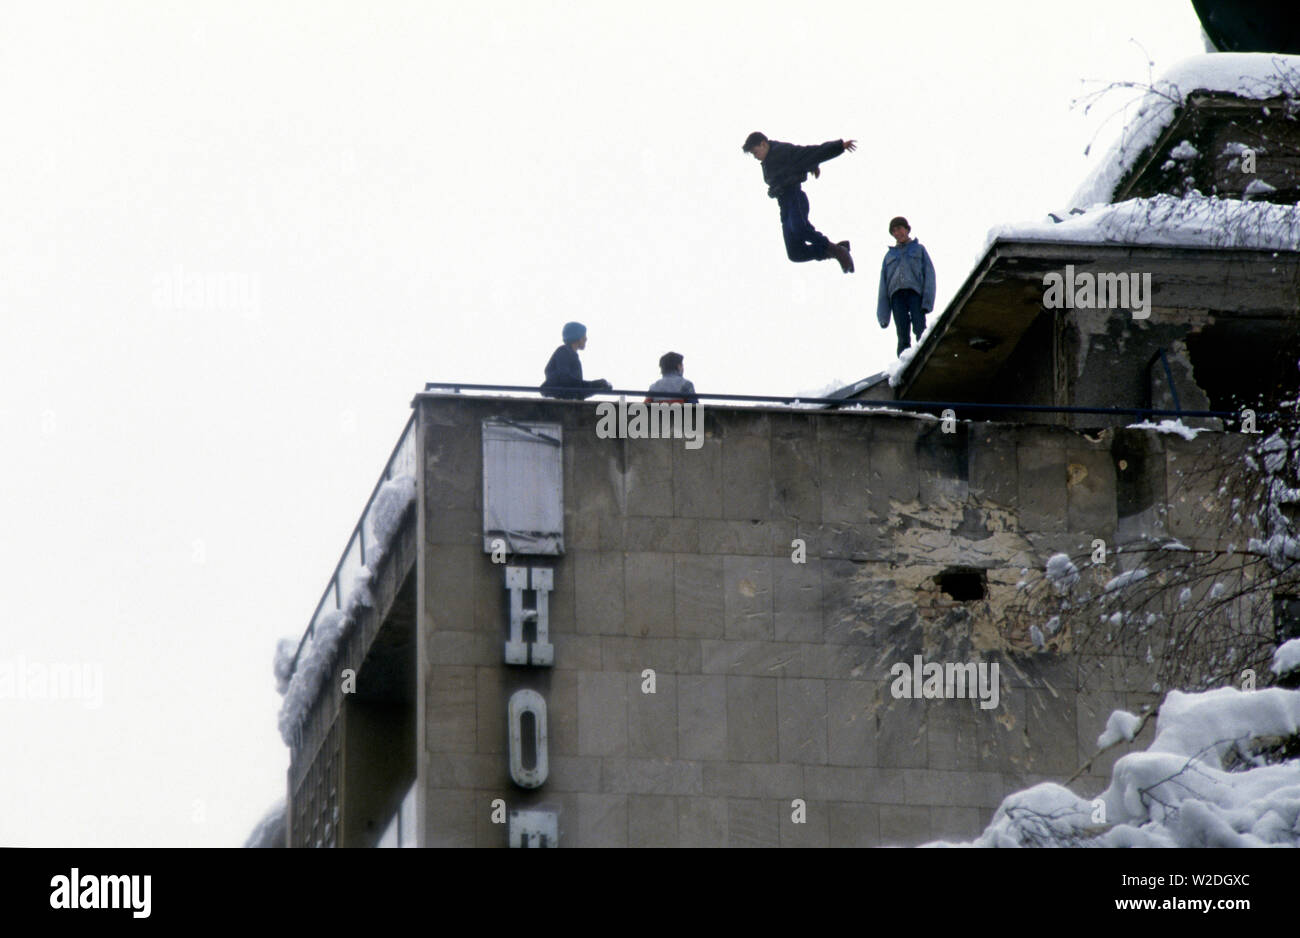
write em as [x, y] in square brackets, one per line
[840, 252]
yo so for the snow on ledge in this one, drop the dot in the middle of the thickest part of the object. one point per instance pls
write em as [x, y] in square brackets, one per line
[1176, 427]
[1197, 221]
[302, 685]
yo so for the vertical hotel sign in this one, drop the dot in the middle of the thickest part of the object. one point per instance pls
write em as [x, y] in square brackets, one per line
[523, 519]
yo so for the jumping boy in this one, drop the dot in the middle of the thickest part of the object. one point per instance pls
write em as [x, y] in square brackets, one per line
[785, 169]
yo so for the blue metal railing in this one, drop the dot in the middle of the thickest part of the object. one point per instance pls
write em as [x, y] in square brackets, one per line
[457, 387]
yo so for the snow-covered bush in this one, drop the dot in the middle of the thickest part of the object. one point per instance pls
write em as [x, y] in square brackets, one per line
[1222, 771]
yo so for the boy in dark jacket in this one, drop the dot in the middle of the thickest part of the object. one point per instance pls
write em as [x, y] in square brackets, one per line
[564, 370]
[785, 168]
[906, 284]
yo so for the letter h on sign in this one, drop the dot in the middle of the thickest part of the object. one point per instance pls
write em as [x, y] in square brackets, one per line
[517, 650]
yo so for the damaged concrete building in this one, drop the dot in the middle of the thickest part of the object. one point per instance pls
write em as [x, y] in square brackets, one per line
[542, 637]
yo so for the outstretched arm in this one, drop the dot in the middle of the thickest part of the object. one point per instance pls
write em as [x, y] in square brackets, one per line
[829, 150]
[805, 159]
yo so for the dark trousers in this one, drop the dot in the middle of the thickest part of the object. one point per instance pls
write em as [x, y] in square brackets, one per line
[803, 242]
[906, 306]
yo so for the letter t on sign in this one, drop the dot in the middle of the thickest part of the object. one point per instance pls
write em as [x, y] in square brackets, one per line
[517, 650]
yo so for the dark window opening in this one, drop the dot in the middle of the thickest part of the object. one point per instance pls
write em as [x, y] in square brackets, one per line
[1270, 345]
[1286, 618]
[964, 584]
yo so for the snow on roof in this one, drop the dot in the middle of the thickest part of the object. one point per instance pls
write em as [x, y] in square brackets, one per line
[1253, 75]
[1164, 220]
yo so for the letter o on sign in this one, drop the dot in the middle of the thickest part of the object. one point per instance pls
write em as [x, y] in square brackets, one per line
[527, 719]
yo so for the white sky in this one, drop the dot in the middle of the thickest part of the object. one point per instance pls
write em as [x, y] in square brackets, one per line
[418, 192]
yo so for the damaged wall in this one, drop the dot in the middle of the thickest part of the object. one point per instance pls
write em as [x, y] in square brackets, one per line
[774, 677]
[1115, 361]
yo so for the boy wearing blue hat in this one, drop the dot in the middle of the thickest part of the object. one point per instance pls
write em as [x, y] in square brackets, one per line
[564, 370]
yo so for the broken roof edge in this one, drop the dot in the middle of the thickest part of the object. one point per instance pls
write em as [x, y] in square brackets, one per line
[1246, 76]
[1006, 245]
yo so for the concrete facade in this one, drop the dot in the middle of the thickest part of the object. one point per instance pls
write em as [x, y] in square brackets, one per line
[772, 677]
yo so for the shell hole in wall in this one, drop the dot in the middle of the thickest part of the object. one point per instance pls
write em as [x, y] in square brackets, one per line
[964, 584]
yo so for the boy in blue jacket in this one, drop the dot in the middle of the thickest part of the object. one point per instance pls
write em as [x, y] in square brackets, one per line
[785, 169]
[906, 284]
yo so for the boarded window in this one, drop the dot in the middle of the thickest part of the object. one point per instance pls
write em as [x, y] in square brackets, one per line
[523, 486]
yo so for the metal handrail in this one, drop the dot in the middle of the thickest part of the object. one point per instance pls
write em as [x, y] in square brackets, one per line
[357, 537]
[457, 387]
